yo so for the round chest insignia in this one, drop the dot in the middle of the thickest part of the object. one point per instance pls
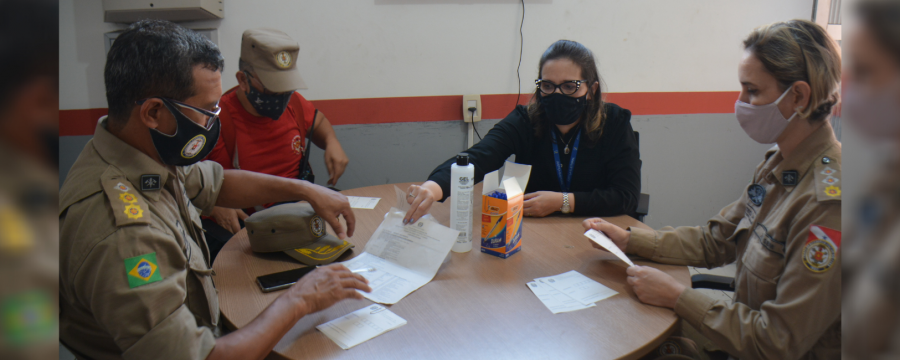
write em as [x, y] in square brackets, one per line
[283, 59]
[317, 226]
[193, 147]
[818, 255]
[756, 193]
[669, 347]
[297, 145]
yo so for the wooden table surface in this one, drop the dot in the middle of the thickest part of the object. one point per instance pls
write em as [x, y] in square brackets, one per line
[477, 306]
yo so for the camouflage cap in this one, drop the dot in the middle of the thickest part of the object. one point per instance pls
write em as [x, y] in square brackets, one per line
[273, 55]
[296, 230]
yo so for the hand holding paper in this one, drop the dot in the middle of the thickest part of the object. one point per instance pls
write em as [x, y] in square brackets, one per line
[606, 243]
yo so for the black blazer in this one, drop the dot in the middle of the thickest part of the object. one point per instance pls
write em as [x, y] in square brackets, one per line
[607, 176]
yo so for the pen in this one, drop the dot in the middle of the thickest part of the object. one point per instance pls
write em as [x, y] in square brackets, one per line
[357, 271]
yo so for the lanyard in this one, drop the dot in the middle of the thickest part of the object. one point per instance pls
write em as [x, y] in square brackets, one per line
[565, 185]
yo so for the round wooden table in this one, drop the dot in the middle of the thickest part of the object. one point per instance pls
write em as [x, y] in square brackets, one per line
[477, 306]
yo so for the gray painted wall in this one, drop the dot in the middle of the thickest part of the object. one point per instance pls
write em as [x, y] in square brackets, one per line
[693, 164]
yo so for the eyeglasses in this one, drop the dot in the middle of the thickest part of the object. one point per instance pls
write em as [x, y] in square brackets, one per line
[567, 87]
[210, 115]
[264, 90]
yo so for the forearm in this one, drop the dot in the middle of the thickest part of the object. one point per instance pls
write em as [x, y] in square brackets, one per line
[259, 337]
[605, 202]
[243, 189]
[700, 246]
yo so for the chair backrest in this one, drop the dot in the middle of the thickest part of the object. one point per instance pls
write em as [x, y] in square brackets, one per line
[644, 199]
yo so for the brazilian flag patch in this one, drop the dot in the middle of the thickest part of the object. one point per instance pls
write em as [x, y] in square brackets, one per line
[27, 318]
[142, 270]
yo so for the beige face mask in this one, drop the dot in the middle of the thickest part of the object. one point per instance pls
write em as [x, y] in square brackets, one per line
[763, 123]
[874, 113]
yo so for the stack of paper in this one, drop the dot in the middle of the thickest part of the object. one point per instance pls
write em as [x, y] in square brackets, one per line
[361, 325]
[569, 291]
[358, 202]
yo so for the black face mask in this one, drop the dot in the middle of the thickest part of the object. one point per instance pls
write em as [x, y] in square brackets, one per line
[269, 105]
[562, 109]
[191, 142]
[50, 139]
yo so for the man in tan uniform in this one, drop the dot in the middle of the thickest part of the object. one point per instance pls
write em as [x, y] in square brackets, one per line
[135, 278]
[29, 182]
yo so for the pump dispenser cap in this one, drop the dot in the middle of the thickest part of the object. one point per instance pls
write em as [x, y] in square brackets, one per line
[462, 159]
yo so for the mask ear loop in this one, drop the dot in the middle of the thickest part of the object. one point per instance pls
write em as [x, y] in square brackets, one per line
[796, 110]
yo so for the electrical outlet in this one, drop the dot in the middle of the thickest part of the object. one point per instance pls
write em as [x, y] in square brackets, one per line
[471, 101]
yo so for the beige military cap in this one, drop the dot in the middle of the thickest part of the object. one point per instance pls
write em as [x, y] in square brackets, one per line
[296, 230]
[273, 55]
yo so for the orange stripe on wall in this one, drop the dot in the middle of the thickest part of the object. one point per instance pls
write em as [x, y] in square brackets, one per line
[449, 108]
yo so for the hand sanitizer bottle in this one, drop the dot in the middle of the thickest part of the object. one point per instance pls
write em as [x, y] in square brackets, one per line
[462, 181]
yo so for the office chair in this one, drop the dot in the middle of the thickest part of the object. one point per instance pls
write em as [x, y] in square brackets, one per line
[644, 200]
[714, 282]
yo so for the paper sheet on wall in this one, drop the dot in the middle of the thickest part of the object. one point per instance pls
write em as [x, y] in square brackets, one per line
[358, 202]
[405, 257]
[361, 325]
[604, 241]
[579, 287]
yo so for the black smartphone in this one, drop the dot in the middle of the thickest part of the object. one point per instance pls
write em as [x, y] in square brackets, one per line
[282, 280]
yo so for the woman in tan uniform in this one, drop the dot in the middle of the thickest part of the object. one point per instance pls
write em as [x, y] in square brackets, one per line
[871, 273]
[784, 232]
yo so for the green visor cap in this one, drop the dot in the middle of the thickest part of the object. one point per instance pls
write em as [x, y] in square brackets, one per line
[296, 230]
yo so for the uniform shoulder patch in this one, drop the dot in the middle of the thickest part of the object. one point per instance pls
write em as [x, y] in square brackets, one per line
[821, 249]
[827, 177]
[127, 204]
[142, 270]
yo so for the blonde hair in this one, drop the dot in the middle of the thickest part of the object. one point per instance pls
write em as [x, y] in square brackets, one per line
[800, 50]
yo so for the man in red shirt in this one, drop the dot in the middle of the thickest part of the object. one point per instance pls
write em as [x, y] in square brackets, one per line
[265, 122]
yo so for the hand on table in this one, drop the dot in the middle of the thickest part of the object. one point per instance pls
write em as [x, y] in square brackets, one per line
[330, 205]
[336, 162]
[542, 203]
[618, 235]
[420, 198]
[228, 218]
[654, 287]
[327, 285]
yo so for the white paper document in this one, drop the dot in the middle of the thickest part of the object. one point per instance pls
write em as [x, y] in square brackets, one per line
[402, 205]
[604, 241]
[405, 257]
[578, 287]
[358, 202]
[361, 325]
[554, 300]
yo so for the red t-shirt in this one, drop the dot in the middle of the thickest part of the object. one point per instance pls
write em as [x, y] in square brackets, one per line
[263, 145]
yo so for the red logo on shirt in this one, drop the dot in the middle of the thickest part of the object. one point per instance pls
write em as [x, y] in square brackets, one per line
[297, 145]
